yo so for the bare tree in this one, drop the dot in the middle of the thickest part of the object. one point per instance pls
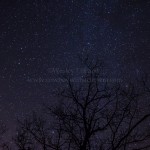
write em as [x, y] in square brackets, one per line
[94, 115]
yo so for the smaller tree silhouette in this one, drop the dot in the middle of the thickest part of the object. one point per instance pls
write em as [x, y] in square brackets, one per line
[23, 140]
[36, 130]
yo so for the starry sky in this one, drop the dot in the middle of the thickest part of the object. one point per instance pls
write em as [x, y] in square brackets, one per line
[38, 35]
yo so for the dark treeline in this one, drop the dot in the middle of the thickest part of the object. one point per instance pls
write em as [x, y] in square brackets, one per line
[92, 116]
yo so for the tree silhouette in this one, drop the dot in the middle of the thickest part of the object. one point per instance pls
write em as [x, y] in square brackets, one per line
[94, 115]
[23, 140]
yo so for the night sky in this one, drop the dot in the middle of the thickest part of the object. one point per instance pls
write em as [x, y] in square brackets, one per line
[38, 35]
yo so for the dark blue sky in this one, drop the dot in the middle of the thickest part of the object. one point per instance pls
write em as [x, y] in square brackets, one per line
[36, 35]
